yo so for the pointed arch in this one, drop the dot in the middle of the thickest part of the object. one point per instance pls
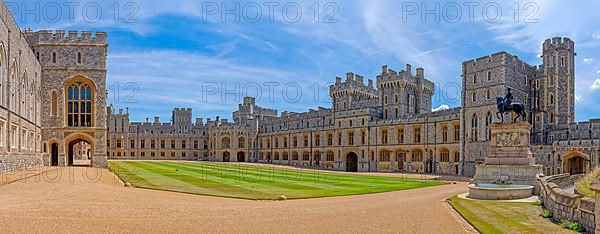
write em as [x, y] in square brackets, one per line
[79, 102]
[3, 69]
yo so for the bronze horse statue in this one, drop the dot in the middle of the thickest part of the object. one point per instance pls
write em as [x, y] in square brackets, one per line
[516, 107]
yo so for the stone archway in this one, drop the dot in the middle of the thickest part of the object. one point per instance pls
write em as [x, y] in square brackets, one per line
[575, 163]
[226, 156]
[79, 153]
[352, 162]
[241, 156]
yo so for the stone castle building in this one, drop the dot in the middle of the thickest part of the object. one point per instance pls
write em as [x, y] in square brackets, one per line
[387, 124]
[53, 112]
[52, 96]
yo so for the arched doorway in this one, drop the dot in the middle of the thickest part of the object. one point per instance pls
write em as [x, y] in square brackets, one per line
[352, 162]
[400, 158]
[226, 156]
[54, 155]
[241, 157]
[79, 153]
[575, 163]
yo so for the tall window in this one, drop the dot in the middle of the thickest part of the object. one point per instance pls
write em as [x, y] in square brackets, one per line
[488, 121]
[2, 74]
[417, 135]
[242, 143]
[444, 155]
[351, 138]
[79, 105]
[401, 135]
[384, 136]
[489, 75]
[79, 58]
[445, 134]
[474, 127]
[53, 57]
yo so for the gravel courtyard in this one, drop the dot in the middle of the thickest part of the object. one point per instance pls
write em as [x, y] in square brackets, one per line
[100, 203]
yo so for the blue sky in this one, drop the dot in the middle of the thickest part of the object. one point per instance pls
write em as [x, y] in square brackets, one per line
[183, 54]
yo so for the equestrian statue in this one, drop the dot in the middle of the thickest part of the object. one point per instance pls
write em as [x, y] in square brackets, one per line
[506, 104]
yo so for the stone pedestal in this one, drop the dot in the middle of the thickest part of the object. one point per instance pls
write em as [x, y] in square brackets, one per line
[510, 159]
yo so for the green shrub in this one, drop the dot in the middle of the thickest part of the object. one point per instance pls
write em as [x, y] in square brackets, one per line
[575, 226]
[583, 186]
[546, 214]
[539, 203]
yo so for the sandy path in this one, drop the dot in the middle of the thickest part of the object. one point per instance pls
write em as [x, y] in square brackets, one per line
[74, 204]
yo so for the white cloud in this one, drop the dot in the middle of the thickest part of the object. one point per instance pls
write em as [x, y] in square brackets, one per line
[441, 108]
[578, 98]
[596, 84]
[588, 60]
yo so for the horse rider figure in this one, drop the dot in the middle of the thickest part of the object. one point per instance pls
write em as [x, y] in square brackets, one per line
[508, 100]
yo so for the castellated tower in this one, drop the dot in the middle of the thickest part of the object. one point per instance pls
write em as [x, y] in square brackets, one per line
[352, 92]
[73, 93]
[404, 94]
[559, 80]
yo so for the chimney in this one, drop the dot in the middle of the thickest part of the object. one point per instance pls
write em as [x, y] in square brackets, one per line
[338, 80]
[156, 119]
[409, 68]
[420, 72]
[120, 111]
[147, 120]
[384, 69]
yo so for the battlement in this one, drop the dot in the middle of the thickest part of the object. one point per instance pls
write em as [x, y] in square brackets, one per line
[405, 78]
[558, 42]
[353, 82]
[64, 37]
[183, 109]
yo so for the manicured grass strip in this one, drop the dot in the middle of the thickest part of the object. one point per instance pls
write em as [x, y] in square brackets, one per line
[504, 217]
[254, 181]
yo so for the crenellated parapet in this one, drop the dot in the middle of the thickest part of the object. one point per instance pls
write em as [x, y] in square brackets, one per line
[65, 37]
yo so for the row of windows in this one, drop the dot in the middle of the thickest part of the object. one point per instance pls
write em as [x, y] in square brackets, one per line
[384, 156]
[18, 136]
[401, 139]
[154, 154]
[153, 144]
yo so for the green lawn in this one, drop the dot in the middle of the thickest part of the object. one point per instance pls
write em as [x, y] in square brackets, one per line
[505, 217]
[259, 182]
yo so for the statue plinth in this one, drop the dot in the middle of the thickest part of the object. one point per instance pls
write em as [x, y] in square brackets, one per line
[509, 159]
[509, 145]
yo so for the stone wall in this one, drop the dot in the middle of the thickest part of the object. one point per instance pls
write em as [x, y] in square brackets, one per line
[13, 163]
[565, 205]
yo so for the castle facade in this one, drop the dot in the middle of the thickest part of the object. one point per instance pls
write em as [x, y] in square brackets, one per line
[52, 96]
[387, 124]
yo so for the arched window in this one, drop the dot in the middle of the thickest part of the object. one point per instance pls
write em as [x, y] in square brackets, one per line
[474, 97]
[475, 79]
[551, 99]
[242, 143]
[53, 57]
[79, 58]
[488, 121]
[79, 104]
[384, 156]
[417, 156]
[2, 73]
[54, 107]
[488, 94]
[444, 155]
[13, 87]
[474, 127]
[330, 156]
[489, 75]
[225, 143]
